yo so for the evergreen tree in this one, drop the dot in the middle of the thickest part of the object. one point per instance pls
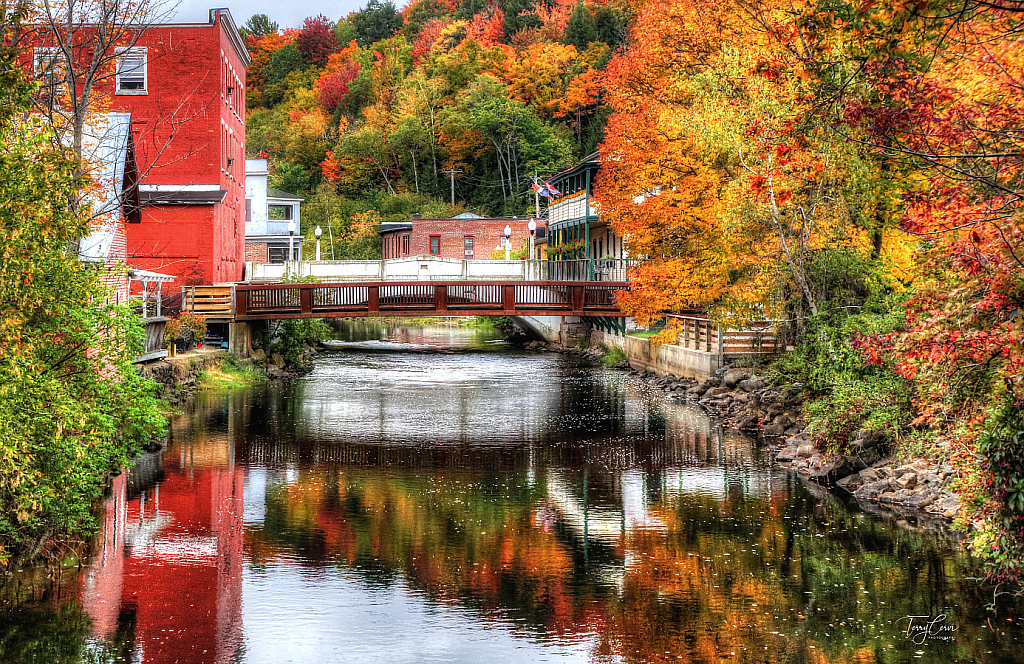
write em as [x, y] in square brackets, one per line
[580, 29]
[377, 21]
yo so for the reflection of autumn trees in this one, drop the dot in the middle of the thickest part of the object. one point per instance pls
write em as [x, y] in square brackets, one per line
[770, 578]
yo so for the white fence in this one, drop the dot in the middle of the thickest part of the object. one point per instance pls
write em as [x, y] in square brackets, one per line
[412, 268]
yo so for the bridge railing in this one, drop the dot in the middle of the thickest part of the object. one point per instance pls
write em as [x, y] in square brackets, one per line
[409, 268]
[270, 301]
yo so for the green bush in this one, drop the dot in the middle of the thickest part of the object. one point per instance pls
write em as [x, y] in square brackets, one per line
[613, 356]
[876, 403]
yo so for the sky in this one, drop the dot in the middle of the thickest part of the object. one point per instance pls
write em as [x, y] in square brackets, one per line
[288, 14]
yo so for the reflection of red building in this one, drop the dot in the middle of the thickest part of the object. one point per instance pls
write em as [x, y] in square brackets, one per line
[169, 571]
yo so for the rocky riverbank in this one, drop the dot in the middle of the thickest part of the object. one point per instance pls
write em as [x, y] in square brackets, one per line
[742, 400]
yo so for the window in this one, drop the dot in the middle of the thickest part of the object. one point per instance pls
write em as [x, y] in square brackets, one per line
[405, 245]
[248, 210]
[468, 241]
[435, 245]
[49, 67]
[279, 212]
[131, 72]
[277, 255]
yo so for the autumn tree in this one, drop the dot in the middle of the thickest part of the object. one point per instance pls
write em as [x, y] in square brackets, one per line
[315, 40]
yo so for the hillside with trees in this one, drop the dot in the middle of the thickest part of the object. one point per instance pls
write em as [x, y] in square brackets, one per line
[369, 115]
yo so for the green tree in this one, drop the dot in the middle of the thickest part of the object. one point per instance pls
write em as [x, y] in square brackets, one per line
[259, 25]
[376, 21]
[72, 407]
[580, 29]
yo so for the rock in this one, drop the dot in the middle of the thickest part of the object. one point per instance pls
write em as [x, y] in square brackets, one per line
[277, 360]
[946, 506]
[774, 430]
[869, 475]
[714, 381]
[774, 410]
[922, 499]
[697, 390]
[832, 468]
[873, 490]
[716, 391]
[805, 451]
[784, 421]
[930, 478]
[733, 376]
[866, 457]
[788, 453]
[850, 482]
[749, 423]
[750, 385]
[907, 480]
[869, 439]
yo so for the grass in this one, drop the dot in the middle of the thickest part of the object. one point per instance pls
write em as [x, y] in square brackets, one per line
[644, 334]
[613, 355]
[228, 375]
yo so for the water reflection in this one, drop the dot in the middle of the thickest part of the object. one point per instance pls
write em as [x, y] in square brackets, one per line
[409, 507]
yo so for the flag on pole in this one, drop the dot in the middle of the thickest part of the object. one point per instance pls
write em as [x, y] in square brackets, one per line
[545, 189]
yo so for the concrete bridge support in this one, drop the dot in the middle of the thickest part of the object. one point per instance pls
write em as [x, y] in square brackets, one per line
[240, 339]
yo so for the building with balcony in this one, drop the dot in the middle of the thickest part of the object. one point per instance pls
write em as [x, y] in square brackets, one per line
[580, 244]
[269, 213]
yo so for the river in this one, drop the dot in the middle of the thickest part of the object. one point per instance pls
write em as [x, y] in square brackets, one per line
[431, 495]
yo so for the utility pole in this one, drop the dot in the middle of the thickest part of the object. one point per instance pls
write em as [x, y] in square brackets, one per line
[452, 172]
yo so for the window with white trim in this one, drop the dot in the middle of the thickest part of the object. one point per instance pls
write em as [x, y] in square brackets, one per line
[132, 74]
[48, 65]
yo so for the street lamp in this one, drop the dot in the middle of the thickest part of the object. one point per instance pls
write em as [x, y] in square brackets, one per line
[291, 240]
[533, 231]
[508, 242]
[318, 232]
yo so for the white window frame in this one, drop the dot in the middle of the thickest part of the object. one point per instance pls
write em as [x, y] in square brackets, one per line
[135, 50]
[57, 56]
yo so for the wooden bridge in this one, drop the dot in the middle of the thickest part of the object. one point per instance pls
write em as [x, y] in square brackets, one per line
[251, 302]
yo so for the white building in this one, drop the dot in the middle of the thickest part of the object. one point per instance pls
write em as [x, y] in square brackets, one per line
[269, 213]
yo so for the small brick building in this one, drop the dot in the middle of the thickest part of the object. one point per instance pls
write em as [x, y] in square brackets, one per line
[467, 236]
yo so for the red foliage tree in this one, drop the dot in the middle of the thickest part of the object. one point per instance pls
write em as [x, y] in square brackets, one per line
[316, 40]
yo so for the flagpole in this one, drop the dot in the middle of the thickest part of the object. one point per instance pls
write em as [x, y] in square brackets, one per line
[536, 196]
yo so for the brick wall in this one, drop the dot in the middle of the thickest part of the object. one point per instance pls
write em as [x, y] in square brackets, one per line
[257, 252]
[486, 234]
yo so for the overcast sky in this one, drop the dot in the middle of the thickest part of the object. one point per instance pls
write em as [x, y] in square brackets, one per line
[288, 14]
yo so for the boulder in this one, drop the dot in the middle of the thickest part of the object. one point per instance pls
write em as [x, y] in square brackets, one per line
[869, 439]
[907, 480]
[750, 385]
[774, 410]
[805, 451]
[873, 490]
[784, 421]
[788, 453]
[869, 475]
[922, 498]
[850, 482]
[733, 376]
[749, 423]
[697, 390]
[716, 391]
[831, 469]
[774, 430]
[277, 360]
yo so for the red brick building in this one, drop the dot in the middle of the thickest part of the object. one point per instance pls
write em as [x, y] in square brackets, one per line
[466, 236]
[184, 86]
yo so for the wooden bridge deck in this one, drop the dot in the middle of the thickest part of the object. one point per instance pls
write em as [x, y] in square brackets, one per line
[423, 298]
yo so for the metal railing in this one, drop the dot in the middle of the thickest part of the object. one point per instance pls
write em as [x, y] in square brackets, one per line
[588, 269]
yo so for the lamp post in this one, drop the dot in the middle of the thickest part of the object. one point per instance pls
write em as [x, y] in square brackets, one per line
[291, 240]
[318, 232]
[508, 242]
[533, 231]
